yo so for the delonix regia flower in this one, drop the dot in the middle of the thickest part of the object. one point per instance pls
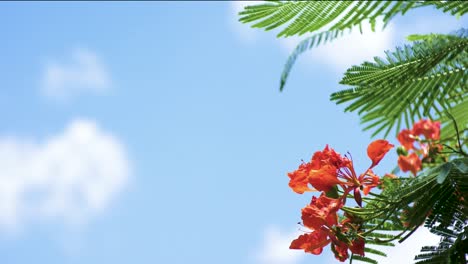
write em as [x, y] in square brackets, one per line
[327, 172]
[407, 137]
[328, 169]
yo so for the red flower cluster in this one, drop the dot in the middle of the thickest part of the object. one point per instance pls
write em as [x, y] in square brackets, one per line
[326, 171]
[425, 127]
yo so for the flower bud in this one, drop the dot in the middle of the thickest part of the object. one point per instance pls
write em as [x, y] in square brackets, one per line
[401, 151]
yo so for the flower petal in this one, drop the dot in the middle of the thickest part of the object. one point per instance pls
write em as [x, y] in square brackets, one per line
[299, 179]
[311, 242]
[377, 150]
[410, 163]
[406, 138]
[430, 130]
[328, 156]
[357, 246]
[324, 178]
[341, 251]
[321, 212]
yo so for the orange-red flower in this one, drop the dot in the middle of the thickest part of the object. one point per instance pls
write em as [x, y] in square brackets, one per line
[299, 178]
[328, 169]
[406, 138]
[370, 182]
[326, 164]
[377, 150]
[329, 156]
[357, 246]
[410, 163]
[430, 130]
[367, 180]
[320, 172]
[341, 250]
[321, 212]
[324, 178]
[311, 242]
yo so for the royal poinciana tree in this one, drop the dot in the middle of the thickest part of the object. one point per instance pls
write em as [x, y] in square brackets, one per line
[420, 92]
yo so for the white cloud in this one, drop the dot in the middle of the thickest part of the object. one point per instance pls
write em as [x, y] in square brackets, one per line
[68, 177]
[84, 73]
[406, 251]
[339, 54]
[351, 49]
[275, 247]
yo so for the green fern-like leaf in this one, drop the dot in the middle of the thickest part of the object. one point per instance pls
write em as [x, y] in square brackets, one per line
[460, 116]
[436, 198]
[300, 17]
[374, 251]
[424, 79]
[457, 8]
[440, 203]
[305, 45]
[364, 259]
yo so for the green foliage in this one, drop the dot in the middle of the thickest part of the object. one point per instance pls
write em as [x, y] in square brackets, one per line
[437, 198]
[460, 116]
[448, 218]
[301, 17]
[381, 225]
[424, 79]
[364, 259]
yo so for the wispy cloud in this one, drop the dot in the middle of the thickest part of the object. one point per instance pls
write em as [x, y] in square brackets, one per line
[69, 177]
[84, 73]
[275, 247]
[339, 54]
[351, 49]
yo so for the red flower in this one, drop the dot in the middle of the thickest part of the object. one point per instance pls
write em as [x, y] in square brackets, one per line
[410, 163]
[300, 178]
[341, 251]
[328, 169]
[329, 156]
[320, 172]
[430, 130]
[370, 181]
[326, 164]
[321, 212]
[425, 150]
[357, 246]
[311, 242]
[377, 150]
[406, 138]
[324, 178]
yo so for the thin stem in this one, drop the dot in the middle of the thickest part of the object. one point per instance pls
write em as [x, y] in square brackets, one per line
[453, 150]
[458, 135]
[409, 234]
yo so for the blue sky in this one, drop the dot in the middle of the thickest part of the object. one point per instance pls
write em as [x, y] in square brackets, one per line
[154, 132]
